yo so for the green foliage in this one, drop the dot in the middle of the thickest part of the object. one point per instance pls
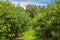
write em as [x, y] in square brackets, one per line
[40, 24]
[12, 21]
[30, 34]
[31, 9]
[47, 23]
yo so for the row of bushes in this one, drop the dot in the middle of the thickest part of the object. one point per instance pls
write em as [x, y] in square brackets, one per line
[44, 25]
[13, 20]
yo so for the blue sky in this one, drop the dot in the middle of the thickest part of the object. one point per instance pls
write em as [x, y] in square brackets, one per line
[23, 3]
[34, 1]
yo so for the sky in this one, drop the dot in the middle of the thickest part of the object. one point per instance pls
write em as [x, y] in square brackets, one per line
[23, 3]
[34, 1]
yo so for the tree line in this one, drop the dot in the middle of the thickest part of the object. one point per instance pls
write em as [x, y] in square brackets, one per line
[33, 23]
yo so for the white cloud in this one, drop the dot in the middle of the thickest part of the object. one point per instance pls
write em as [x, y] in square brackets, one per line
[23, 4]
